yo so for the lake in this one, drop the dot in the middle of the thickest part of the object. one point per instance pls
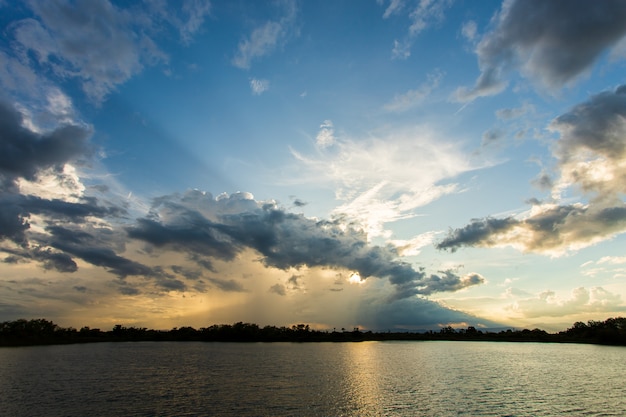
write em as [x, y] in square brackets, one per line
[313, 379]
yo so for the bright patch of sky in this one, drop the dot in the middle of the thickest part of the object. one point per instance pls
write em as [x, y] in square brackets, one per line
[383, 164]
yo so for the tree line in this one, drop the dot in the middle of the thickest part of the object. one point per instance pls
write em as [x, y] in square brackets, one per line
[24, 332]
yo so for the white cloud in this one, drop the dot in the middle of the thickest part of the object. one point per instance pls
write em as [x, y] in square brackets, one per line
[259, 86]
[265, 38]
[394, 7]
[421, 15]
[581, 300]
[469, 30]
[384, 179]
[412, 247]
[326, 136]
[401, 50]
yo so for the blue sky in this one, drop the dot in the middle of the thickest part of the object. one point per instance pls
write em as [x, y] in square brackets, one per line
[384, 164]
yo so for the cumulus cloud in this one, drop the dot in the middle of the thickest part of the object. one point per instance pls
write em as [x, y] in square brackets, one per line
[582, 300]
[528, 38]
[265, 38]
[224, 227]
[24, 154]
[103, 53]
[591, 157]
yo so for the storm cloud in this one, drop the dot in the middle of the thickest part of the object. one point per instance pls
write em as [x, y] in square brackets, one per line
[23, 152]
[551, 42]
[221, 228]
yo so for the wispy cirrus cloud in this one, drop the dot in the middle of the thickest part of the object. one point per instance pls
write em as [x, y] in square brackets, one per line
[421, 15]
[412, 98]
[382, 179]
[265, 38]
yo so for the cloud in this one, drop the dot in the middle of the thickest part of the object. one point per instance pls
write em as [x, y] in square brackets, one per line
[103, 53]
[527, 38]
[406, 169]
[412, 98]
[395, 6]
[23, 152]
[226, 285]
[469, 30]
[222, 228]
[422, 14]
[413, 246]
[188, 16]
[326, 136]
[592, 148]
[258, 86]
[414, 314]
[591, 157]
[492, 137]
[513, 112]
[582, 300]
[265, 38]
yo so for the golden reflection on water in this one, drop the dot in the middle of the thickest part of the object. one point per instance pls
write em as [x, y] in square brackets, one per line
[362, 373]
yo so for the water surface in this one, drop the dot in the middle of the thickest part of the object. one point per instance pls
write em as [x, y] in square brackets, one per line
[313, 379]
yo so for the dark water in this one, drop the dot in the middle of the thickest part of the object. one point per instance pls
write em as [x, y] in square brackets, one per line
[325, 379]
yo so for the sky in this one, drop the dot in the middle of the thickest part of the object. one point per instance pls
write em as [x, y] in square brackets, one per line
[381, 164]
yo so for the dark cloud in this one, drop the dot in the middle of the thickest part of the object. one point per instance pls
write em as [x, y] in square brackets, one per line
[17, 208]
[448, 281]
[480, 232]
[221, 228]
[61, 262]
[278, 289]
[551, 228]
[414, 314]
[192, 233]
[23, 153]
[50, 259]
[227, 285]
[191, 274]
[128, 290]
[597, 125]
[553, 42]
